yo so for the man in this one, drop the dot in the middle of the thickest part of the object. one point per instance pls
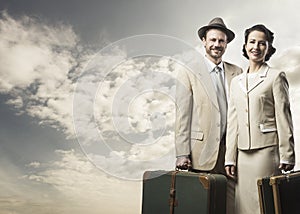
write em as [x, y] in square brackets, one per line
[201, 100]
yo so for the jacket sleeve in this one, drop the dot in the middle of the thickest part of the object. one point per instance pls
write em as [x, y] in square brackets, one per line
[232, 130]
[184, 103]
[284, 121]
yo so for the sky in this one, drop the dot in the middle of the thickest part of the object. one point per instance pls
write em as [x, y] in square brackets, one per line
[87, 93]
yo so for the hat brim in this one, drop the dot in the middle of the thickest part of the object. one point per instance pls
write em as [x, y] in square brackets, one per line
[229, 33]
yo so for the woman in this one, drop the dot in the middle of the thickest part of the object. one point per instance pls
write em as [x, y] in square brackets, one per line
[259, 137]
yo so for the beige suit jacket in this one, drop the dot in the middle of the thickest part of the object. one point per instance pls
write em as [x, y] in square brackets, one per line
[197, 124]
[259, 115]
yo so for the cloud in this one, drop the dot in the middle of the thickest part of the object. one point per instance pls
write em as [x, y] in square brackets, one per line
[78, 180]
[72, 184]
[33, 52]
[43, 67]
[134, 111]
[38, 65]
[34, 164]
[18, 195]
[125, 109]
[289, 61]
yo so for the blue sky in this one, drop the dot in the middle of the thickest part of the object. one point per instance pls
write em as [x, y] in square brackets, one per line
[67, 149]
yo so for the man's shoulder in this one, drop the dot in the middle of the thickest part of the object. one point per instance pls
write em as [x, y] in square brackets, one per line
[232, 67]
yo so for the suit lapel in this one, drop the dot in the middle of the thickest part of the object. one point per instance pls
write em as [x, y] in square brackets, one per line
[206, 81]
[208, 84]
[243, 82]
[262, 74]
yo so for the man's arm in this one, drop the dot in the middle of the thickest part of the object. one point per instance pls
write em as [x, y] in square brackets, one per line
[184, 102]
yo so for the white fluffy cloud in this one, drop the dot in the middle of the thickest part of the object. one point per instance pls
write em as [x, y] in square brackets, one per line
[133, 107]
[38, 64]
[134, 114]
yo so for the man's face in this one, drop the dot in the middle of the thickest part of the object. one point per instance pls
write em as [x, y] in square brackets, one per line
[215, 44]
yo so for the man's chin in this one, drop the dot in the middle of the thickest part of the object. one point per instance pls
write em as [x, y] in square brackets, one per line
[217, 53]
[216, 56]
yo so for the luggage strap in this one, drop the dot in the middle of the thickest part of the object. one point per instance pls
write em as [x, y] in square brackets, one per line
[172, 200]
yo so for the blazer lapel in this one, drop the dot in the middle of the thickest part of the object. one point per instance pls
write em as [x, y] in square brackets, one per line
[262, 74]
[260, 77]
[243, 82]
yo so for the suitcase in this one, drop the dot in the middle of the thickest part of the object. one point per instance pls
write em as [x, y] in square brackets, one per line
[279, 194]
[266, 199]
[179, 192]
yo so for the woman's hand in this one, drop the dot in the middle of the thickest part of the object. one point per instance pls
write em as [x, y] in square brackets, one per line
[231, 171]
[286, 167]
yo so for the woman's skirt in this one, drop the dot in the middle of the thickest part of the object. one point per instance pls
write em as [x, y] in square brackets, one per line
[252, 165]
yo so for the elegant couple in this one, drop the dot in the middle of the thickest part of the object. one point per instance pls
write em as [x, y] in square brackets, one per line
[237, 123]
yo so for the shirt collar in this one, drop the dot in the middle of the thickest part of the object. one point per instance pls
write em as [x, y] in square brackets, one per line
[210, 65]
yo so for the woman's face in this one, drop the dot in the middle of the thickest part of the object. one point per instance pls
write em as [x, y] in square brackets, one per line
[257, 46]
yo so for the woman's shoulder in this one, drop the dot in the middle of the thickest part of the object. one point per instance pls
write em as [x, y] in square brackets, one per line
[274, 71]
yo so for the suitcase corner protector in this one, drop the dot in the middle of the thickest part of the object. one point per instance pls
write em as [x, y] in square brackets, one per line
[204, 181]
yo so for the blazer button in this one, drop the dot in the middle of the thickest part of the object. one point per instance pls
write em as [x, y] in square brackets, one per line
[218, 124]
[217, 139]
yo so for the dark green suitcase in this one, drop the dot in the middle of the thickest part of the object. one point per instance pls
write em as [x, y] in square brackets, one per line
[178, 192]
[279, 194]
[266, 199]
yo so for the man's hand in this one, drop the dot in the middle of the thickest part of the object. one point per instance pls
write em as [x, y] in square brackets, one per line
[286, 167]
[231, 171]
[183, 163]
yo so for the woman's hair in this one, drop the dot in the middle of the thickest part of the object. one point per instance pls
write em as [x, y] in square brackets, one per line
[270, 37]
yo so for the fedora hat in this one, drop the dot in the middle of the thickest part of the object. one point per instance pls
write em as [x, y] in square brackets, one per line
[216, 23]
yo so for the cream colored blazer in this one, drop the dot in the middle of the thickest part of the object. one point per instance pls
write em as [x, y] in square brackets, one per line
[197, 124]
[259, 115]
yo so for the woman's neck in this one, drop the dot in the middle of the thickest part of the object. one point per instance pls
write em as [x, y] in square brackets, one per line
[255, 66]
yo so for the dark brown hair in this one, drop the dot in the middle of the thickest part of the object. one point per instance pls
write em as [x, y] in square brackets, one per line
[270, 37]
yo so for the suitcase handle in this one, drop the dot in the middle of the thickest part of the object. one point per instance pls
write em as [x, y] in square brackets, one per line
[287, 172]
[189, 169]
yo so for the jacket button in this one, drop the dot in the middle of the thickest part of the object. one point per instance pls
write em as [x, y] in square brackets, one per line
[217, 139]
